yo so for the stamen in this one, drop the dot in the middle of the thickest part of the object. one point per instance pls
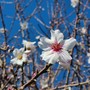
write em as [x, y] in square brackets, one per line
[19, 56]
[56, 47]
[28, 48]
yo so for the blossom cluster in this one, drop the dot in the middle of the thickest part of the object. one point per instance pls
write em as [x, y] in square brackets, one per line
[74, 3]
[54, 49]
[20, 55]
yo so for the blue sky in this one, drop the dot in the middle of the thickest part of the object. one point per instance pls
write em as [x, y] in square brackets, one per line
[9, 14]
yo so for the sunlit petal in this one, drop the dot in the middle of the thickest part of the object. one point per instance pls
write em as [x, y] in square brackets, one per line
[69, 43]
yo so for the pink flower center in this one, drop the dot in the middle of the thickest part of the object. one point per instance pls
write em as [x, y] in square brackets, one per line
[56, 47]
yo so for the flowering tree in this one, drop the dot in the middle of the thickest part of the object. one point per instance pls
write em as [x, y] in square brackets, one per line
[45, 44]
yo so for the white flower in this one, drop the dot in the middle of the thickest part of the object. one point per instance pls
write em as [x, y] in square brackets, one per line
[55, 48]
[74, 3]
[2, 30]
[30, 47]
[20, 57]
[24, 25]
[83, 30]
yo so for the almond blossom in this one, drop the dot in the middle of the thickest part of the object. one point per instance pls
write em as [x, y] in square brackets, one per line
[2, 30]
[29, 46]
[24, 25]
[83, 30]
[56, 49]
[74, 3]
[19, 57]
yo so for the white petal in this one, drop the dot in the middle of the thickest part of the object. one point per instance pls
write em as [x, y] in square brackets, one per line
[24, 60]
[46, 40]
[21, 50]
[46, 53]
[24, 57]
[54, 58]
[64, 57]
[37, 37]
[69, 44]
[32, 47]
[44, 43]
[15, 52]
[32, 42]
[13, 61]
[57, 35]
[50, 57]
[89, 60]
[24, 42]
[19, 62]
[59, 38]
[27, 51]
[53, 36]
[44, 46]
[74, 3]
[18, 51]
[28, 44]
